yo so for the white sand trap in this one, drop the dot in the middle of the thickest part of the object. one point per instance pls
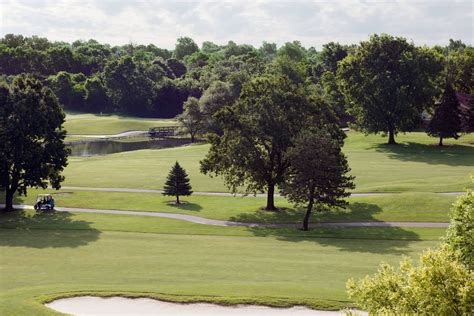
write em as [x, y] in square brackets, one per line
[89, 305]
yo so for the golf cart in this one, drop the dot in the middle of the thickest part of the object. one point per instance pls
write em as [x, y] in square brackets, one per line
[44, 202]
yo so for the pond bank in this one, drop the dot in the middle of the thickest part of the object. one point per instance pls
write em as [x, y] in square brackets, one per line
[98, 147]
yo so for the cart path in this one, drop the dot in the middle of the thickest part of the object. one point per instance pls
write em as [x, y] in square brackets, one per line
[121, 134]
[215, 222]
[130, 190]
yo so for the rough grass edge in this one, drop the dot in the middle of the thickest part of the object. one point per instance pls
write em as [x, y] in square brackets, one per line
[278, 302]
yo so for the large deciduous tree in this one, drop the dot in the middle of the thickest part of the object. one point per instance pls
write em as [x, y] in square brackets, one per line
[318, 173]
[446, 121]
[388, 83]
[257, 132]
[32, 147]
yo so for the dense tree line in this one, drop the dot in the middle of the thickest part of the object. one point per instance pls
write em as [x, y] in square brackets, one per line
[147, 80]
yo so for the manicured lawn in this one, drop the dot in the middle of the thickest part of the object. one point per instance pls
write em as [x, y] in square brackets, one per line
[415, 165]
[52, 254]
[140, 169]
[46, 255]
[110, 124]
[394, 207]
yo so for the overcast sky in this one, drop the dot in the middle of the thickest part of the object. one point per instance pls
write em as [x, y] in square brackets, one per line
[311, 22]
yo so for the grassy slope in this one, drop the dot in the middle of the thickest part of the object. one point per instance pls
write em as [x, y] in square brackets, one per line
[48, 254]
[109, 124]
[396, 207]
[415, 165]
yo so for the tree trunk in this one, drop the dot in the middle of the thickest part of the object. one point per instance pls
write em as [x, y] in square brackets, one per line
[391, 137]
[9, 199]
[270, 197]
[309, 209]
[440, 141]
[177, 199]
[192, 137]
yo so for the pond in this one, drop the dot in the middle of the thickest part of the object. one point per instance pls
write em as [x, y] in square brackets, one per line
[105, 147]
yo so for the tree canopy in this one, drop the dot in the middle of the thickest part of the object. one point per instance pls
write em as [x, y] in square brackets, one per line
[259, 129]
[460, 233]
[317, 174]
[439, 284]
[185, 46]
[388, 82]
[192, 119]
[155, 81]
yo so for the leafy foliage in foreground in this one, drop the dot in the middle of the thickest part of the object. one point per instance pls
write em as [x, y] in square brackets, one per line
[442, 283]
[439, 285]
[460, 234]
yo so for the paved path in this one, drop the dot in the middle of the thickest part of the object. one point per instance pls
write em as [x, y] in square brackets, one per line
[223, 193]
[215, 222]
[122, 134]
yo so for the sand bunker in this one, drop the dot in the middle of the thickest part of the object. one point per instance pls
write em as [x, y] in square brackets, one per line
[89, 305]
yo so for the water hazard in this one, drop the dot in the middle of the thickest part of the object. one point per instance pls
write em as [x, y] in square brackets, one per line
[105, 147]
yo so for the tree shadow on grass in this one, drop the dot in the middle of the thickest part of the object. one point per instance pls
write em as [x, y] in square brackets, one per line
[381, 240]
[185, 206]
[44, 229]
[355, 212]
[283, 215]
[451, 155]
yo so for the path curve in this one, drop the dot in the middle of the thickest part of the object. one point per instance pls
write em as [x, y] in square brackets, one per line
[130, 190]
[121, 134]
[215, 222]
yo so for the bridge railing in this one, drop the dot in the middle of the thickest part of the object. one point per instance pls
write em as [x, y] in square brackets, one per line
[163, 131]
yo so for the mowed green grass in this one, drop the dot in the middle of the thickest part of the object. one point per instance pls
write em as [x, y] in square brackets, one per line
[416, 165]
[53, 254]
[417, 207]
[84, 124]
[46, 255]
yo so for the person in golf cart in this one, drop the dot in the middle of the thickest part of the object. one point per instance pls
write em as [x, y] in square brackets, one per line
[44, 202]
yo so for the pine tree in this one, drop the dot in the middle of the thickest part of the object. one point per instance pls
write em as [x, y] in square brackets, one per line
[446, 121]
[177, 183]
